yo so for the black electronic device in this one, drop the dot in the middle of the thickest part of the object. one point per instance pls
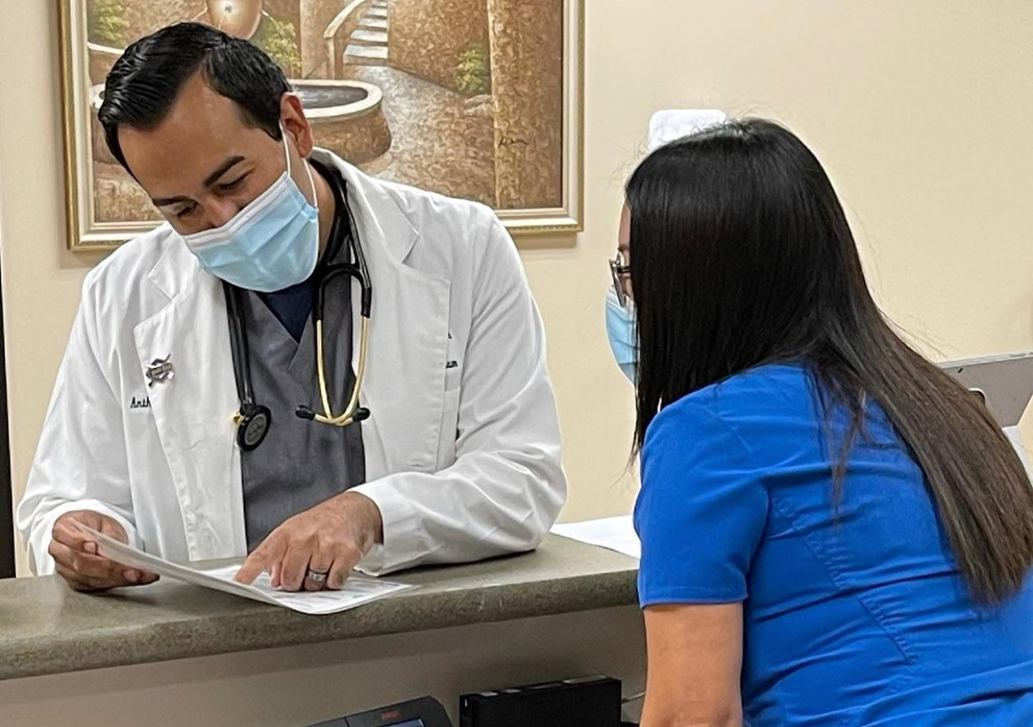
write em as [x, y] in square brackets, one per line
[425, 712]
[585, 702]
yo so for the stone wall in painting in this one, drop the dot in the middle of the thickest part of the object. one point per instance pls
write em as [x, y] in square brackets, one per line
[527, 84]
[315, 17]
[443, 41]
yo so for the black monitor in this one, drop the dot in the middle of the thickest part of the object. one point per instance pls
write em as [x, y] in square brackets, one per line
[425, 712]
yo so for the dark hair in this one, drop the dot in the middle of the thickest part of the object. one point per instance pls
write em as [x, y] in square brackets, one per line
[742, 256]
[144, 82]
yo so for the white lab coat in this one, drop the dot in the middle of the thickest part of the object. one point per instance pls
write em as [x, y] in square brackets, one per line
[463, 459]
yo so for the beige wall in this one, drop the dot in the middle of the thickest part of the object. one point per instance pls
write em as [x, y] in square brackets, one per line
[919, 109]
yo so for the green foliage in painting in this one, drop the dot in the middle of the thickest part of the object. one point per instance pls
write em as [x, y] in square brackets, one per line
[473, 72]
[279, 40]
[106, 24]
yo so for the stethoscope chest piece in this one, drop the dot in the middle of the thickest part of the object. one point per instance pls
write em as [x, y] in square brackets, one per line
[252, 425]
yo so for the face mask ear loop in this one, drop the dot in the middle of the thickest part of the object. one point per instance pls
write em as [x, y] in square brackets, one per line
[286, 151]
[308, 169]
[312, 186]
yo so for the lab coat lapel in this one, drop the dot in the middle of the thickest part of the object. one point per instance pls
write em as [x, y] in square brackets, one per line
[405, 371]
[194, 407]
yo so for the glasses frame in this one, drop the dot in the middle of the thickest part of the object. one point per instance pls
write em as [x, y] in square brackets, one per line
[619, 271]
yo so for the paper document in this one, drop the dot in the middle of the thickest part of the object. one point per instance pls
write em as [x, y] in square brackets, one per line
[613, 533]
[357, 589]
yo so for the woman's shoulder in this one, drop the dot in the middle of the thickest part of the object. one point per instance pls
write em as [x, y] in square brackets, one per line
[755, 404]
[781, 380]
[756, 390]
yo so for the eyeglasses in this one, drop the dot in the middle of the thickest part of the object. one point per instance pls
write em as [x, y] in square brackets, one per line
[620, 271]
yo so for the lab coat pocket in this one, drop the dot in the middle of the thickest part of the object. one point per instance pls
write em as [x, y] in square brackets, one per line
[448, 429]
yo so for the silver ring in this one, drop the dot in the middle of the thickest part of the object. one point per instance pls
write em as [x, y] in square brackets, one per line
[315, 576]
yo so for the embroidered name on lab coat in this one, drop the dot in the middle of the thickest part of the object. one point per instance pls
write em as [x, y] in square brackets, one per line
[141, 403]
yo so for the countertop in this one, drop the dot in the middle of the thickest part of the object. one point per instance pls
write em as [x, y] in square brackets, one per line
[45, 628]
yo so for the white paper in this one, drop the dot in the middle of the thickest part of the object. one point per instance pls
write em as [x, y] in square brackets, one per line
[357, 589]
[612, 533]
[671, 124]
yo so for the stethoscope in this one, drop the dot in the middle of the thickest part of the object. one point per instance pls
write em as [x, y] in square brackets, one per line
[253, 419]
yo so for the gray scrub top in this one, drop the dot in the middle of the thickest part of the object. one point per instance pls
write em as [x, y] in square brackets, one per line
[301, 463]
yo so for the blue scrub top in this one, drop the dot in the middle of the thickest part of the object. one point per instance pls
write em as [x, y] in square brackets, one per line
[855, 618]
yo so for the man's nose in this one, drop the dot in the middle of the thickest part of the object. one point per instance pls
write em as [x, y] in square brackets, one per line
[220, 211]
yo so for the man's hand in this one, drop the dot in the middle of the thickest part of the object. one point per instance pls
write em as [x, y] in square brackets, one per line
[76, 554]
[330, 538]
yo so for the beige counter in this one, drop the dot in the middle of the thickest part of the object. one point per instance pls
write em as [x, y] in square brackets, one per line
[174, 654]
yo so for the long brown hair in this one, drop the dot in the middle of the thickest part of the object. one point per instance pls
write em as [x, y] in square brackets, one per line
[743, 256]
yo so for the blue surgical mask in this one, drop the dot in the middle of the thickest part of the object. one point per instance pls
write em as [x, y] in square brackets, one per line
[269, 245]
[620, 329]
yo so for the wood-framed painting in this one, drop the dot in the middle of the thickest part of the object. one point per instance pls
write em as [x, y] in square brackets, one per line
[478, 99]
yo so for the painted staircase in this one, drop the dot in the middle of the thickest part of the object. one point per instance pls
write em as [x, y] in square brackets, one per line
[367, 45]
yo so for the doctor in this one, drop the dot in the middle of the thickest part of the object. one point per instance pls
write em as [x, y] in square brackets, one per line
[188, 417]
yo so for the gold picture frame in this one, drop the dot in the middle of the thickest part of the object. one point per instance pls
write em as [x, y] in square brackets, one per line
[89, 231]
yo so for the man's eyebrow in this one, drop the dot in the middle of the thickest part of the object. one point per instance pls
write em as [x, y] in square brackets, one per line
[222, 169]
[166, 201]
[208, 182]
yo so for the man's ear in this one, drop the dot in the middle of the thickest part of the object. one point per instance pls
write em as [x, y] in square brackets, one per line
[292, 116]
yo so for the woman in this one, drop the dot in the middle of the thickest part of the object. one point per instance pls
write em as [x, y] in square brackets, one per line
[833, 531]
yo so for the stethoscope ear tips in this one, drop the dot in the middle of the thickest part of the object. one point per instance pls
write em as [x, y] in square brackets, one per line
[360, 415]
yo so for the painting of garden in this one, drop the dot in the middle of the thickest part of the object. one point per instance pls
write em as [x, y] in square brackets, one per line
[462, 97]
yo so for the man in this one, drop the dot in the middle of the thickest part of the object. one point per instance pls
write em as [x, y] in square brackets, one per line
[459, 458]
